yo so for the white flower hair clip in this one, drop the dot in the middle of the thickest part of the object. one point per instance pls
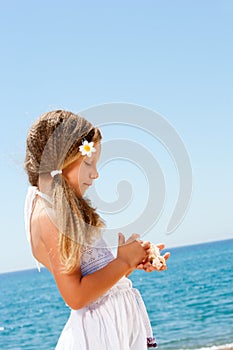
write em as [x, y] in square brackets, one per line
[87, 148]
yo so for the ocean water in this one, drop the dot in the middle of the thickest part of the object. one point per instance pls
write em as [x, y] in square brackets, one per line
[190, 305]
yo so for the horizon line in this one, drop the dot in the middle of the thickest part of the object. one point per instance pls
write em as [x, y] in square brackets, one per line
[166, 249]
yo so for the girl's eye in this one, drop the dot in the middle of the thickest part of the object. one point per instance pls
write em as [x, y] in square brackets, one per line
[88, 164]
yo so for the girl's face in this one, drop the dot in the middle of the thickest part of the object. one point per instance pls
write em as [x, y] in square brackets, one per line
[81, 173]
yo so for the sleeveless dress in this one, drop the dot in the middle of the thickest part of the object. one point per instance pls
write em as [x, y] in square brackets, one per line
[117, 320]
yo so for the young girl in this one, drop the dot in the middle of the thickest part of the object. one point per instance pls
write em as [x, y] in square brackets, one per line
[65, 235]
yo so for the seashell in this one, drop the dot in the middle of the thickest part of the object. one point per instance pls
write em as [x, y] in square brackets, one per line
[155, 258]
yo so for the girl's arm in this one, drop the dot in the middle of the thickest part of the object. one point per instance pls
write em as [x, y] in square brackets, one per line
[77, 290]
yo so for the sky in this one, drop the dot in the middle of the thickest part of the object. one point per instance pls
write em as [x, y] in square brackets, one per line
[171, 57]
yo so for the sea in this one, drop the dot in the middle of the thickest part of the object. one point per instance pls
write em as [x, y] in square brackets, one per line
[190, 305]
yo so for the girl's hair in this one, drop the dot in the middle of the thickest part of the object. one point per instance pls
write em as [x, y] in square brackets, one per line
[52, 144]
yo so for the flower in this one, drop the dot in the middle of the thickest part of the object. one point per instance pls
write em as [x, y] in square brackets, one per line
[87, 148]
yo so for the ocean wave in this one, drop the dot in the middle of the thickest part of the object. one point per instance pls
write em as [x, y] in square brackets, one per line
[217, 347]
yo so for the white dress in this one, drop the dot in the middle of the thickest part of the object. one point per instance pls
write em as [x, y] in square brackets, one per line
[117, 320]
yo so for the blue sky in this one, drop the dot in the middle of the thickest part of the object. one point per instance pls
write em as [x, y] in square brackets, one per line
[174, 57]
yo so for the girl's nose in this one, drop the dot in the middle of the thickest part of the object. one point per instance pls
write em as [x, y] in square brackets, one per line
[95, 175]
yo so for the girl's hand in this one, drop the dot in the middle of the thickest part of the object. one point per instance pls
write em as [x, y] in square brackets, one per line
[132, 251]
[146, 265]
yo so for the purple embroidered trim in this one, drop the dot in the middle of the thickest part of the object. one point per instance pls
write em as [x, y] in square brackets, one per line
[151, 343]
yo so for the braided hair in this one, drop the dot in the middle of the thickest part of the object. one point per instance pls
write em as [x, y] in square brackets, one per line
[53, 143]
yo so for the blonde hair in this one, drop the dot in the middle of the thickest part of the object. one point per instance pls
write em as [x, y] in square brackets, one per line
[53, 143]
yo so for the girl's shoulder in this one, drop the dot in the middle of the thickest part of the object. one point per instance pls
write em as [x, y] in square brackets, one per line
[44, 220]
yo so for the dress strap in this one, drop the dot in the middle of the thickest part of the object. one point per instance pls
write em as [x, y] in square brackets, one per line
[44, 196]
[31, 194]
[28, 207]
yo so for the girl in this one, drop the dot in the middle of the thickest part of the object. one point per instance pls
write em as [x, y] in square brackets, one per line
[65, 234]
